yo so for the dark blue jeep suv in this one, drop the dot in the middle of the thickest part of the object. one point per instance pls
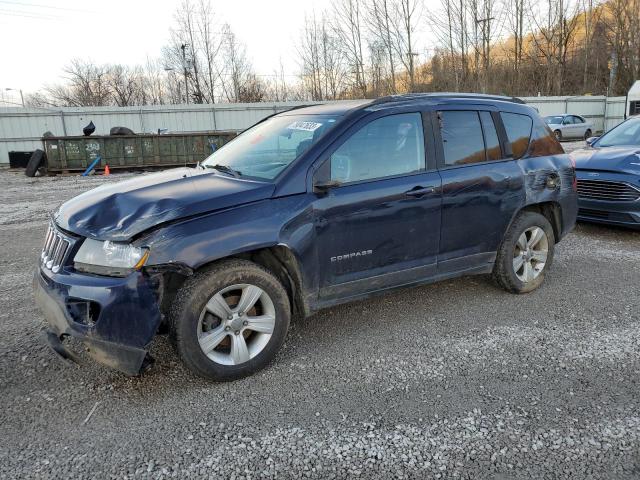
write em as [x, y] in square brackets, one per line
[309, 208]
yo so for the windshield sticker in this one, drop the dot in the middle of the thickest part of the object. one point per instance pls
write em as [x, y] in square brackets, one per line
[306, 126]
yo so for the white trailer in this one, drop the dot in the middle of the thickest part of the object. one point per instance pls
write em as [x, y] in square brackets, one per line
[633, 100]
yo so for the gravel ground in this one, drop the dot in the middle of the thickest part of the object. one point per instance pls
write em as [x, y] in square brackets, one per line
[453, 380]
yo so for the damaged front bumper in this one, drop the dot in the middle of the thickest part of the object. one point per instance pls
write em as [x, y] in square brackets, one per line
[115, 318]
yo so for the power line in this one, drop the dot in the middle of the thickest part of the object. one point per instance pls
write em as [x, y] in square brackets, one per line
[14, 13]
[37, 5]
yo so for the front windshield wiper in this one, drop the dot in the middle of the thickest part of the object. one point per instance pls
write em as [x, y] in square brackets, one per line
[225, 169]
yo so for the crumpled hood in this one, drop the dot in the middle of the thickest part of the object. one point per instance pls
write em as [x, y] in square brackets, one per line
[119, 211]
[614, 159]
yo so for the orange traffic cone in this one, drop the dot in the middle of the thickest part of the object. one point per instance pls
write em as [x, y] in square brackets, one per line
[106, 170]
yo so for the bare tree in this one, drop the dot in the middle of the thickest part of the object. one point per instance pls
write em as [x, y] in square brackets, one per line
[556, 26]
[125, 85]
[238, 81]
[210, 45]
[349, 38]
[323, 70]
[406, 23]
[622, 22]
[381, 26]
[86, 86]
[516, 19]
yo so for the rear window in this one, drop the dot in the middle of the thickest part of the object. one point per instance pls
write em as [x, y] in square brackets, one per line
[518, 129]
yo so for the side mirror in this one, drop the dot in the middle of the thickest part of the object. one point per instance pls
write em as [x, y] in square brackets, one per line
[322, 187]
[591, 140]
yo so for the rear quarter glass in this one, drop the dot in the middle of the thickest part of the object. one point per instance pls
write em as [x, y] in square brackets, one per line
[518, 128]
[543, 141]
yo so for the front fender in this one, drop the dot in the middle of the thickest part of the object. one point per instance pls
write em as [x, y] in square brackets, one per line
[195, 242]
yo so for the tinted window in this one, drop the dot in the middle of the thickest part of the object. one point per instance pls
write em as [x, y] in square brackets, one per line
[543, 141]
[578, 119]
[490, 137]
[518, 129]
[461, 137]
[385, 147]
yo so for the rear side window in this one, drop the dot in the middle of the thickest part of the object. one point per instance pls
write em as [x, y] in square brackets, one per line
[462, 140]
[518, 129]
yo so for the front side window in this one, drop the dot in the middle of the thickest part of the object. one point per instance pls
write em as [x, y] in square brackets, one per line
[518, 129]
[627, 133]
[266, 149]
[385, 147]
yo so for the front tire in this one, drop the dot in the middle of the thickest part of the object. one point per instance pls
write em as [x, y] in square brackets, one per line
[526, 253]
[229, 321]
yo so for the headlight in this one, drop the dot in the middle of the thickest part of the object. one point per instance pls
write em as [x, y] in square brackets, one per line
[109, 258]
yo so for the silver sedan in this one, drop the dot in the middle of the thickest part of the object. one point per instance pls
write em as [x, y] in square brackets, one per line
[569, 126]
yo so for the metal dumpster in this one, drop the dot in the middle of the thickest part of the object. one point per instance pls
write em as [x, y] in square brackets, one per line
[74, 154]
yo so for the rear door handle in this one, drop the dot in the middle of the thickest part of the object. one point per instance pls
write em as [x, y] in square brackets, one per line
[420, 191]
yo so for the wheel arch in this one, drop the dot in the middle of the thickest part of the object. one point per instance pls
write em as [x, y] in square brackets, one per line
[550, 210]
[279, 259]
[283, 263]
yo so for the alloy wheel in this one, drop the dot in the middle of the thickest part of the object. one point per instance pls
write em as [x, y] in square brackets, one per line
[236, 324]
[530, 254]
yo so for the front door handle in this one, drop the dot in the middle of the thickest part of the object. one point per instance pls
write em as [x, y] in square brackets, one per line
[420, 191]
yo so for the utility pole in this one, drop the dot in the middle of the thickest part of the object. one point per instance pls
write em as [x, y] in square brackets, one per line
[485, 49]
[412, 73]
[613, 68]
[183, 47]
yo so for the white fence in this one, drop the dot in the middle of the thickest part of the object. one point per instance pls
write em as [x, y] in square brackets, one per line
[22, 128]
[604, 112]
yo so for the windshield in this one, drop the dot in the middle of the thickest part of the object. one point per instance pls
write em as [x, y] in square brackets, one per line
[554, 120]
[266, 149]
[627, 133]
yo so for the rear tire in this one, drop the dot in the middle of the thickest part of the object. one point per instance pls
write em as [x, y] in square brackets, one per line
[588, 134]
[526, 253]
[558, 135]
[221, 340]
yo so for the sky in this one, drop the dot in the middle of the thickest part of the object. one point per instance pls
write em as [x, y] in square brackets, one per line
[39, 37]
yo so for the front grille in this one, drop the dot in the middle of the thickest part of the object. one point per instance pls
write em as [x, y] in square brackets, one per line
[600, 215]
[586, 212]
[607, 190]
[55, 250]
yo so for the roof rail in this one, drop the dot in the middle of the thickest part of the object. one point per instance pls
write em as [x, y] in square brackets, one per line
[412, 96]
